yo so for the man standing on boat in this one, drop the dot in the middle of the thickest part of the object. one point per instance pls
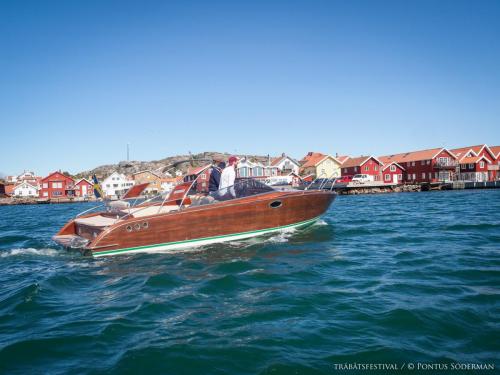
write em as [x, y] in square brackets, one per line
[227, 178]
[215, 173]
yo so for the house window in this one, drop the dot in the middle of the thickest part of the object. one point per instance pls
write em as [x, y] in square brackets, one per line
[387, 177]
[45, 193]
[355, 169]
[471, 166]
[367, 168]
[345, 170]
[375, 167]
[414, 176]
[400, 177]
[412, 163]
[423, 175]
[422, 162]
[45, 185]
[393, 168]
[481, 164]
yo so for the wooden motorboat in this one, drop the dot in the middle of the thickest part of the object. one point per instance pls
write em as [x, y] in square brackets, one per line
[182, 220]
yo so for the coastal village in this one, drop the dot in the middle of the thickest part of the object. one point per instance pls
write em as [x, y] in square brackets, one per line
[476, 164]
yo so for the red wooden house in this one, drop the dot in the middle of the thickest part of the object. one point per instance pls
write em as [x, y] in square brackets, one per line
[84, 188]
[475, 168]
[479, 151]
[433, 165]
[369, 165]
[203, 175]
[392, 173]
[496, 163]
[57, 185]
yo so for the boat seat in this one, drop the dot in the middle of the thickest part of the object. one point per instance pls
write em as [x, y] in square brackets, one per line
[96, 221]
[152, 210]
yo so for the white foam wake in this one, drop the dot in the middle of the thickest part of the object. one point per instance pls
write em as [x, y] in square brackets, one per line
[282, 236]
[28, 251]
[320, 222]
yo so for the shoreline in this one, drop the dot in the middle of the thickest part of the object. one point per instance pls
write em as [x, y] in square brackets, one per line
[341, 190]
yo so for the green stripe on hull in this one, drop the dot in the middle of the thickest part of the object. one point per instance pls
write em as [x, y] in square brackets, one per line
[226, 237]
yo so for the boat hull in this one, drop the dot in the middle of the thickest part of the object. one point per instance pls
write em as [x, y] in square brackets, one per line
[224, 221]
[191, 244]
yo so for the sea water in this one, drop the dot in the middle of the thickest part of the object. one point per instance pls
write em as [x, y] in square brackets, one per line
[394, 280]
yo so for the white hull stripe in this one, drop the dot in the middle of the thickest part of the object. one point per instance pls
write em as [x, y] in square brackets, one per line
[202, 241]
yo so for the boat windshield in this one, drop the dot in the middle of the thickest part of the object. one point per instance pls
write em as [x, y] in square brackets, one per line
[245, 187]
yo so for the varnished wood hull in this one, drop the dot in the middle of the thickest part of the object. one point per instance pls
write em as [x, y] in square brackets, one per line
[223, 221]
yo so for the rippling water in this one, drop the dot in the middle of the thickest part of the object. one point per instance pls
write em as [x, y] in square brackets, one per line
[387, 278]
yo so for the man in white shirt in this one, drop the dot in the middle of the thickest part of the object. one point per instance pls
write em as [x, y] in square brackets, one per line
[227, 178]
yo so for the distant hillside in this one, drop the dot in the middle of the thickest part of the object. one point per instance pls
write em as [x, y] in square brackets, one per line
[170, 164]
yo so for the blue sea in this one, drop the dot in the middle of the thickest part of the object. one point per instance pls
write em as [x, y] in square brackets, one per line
[408, 279]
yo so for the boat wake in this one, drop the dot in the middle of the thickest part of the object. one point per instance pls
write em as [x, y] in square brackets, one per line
[282, 236]
[29, 251]
[320, 222]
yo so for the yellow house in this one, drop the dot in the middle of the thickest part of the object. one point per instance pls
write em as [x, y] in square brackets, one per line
[153, 178]
[320, 165]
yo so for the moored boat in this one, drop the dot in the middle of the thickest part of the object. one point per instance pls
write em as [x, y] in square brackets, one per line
[181, 220]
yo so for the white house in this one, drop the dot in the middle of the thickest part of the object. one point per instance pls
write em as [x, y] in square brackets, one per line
[247, 168]
[168, 183]
[286, 165]
[116, 184]
[25, 189]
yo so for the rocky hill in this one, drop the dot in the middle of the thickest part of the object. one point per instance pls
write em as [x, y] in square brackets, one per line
[169, 164]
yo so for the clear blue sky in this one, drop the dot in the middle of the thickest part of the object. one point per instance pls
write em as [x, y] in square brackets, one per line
[81, 79]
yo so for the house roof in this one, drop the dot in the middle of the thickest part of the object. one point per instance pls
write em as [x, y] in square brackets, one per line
[276, 161]
[197, 170]
[25, 183]
[83, 179]
[473, 159]
[312, 159]
[9, 189]
[414, 155]
[495, 150]
[342, 158]
[358, 161]
[148, 171]
[462, 151]
[57, 172]
[171, 179]
[387, 165]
